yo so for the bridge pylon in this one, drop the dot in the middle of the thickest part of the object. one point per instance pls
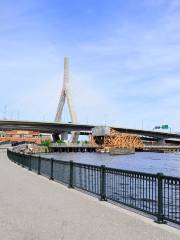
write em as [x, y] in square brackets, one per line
[66, 95]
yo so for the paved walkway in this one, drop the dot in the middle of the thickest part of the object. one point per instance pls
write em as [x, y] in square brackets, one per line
[34, 208]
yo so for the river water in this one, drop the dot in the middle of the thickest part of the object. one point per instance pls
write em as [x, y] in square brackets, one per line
[167, 163]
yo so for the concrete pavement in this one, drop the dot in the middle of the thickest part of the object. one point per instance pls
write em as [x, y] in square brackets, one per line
[34, 208]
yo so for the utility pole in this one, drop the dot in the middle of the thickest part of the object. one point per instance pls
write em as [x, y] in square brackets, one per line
[105, 119]
[5, 112]
[142, 124]
[18, 115]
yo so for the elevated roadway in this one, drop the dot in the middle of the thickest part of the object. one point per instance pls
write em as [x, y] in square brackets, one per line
[43, 127]
[58, 128]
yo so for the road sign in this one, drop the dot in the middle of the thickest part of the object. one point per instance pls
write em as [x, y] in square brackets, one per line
[165, 126]
[157, 127]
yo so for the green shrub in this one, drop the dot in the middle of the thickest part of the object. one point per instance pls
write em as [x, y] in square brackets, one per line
[60, 141]
[46, 143]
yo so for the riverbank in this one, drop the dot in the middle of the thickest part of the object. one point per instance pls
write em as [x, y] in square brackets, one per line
[34, 208]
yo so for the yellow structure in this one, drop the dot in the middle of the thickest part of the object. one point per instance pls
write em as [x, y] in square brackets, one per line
[114, 139]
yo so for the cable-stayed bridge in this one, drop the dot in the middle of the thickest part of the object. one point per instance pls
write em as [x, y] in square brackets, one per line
[57, 128]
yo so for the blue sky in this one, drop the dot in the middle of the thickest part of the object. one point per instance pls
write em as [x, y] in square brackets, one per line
[125, 58]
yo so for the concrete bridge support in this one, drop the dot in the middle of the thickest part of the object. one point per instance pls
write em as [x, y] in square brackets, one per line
[55, 137]
[161, 141]
[64, 136]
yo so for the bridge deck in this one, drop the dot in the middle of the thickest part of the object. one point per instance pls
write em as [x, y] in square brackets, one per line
[34, 208]
[54, 127]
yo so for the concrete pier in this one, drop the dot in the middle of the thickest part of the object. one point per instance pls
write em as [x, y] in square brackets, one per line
[55, 147]
[34, 208]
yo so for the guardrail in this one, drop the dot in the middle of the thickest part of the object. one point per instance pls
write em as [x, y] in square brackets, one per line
[154, 194]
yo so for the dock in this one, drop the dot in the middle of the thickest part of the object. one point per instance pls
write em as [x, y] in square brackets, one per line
[70, 147]
[161, 148]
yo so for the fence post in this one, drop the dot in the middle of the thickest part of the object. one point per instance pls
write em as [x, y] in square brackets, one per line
[17, 160]
[22, 161]
[39, 165]
[103, 183]
[71, 174]
[30, 163]
[160, 215]
[51, 173]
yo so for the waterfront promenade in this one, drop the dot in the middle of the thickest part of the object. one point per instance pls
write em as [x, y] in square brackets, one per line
[34, 208]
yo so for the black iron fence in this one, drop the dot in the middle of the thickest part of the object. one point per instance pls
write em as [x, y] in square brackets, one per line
[155, 194]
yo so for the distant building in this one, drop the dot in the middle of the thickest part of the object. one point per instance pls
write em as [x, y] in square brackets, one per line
[2, 133]
[23, 136]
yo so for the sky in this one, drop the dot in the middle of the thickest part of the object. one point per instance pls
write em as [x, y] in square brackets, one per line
[124, 60]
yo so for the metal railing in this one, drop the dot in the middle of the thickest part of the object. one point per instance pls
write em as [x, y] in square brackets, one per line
[155, 194]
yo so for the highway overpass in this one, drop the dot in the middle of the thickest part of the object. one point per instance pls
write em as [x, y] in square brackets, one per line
[58, 128]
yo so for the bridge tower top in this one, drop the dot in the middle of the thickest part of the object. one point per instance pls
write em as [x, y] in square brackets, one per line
[66, 70]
